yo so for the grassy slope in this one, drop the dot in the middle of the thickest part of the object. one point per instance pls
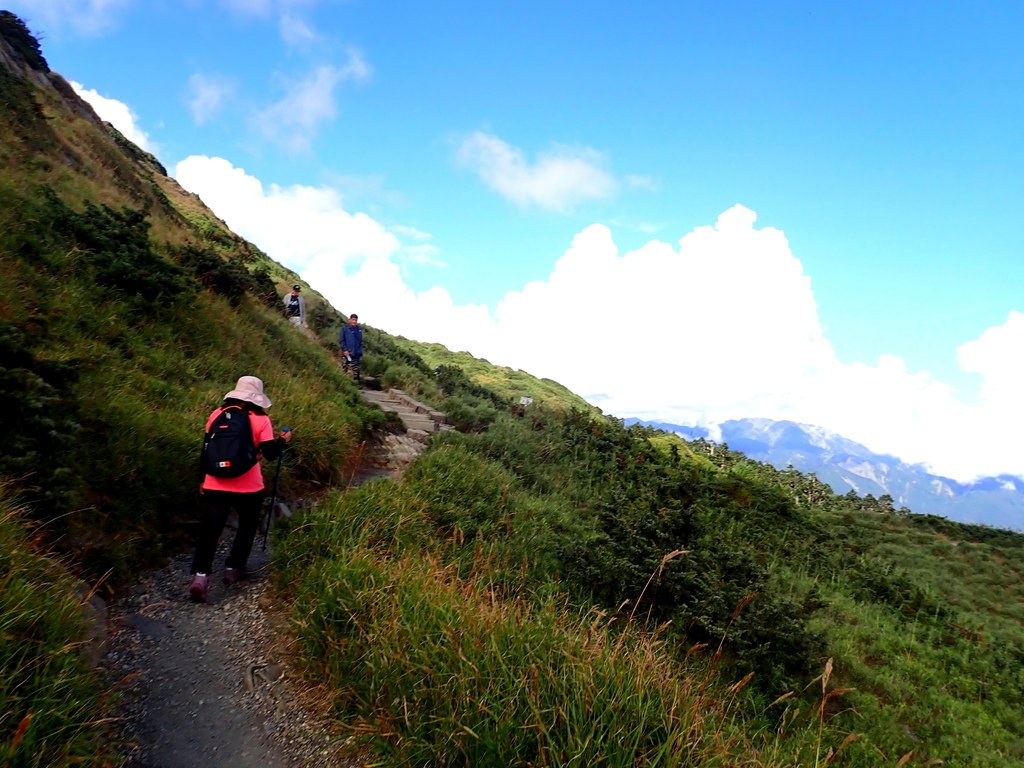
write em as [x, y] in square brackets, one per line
[510, 383]
[784, 578]
[125, 346]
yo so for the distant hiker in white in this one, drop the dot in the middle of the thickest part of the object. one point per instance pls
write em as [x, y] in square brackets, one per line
[295, 307]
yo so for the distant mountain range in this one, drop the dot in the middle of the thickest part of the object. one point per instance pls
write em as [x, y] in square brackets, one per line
[846, 465]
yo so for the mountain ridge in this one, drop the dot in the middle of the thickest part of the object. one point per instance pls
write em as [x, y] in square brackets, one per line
[847, 466]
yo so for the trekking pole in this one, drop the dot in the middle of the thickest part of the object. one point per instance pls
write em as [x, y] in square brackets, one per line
[273, 493]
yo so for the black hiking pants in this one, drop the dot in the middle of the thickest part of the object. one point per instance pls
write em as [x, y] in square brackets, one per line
[217, 505]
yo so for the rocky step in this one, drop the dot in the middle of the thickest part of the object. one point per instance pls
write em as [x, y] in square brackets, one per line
[399, 396]
[419, 420]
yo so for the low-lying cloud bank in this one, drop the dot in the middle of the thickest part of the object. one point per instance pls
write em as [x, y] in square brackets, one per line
[722, 324]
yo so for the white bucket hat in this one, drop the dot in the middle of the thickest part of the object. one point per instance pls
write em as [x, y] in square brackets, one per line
[250, 389]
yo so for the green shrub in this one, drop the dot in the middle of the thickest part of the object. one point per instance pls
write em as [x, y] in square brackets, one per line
[468, 414]
[225, 276]
[41, 422]
[14, 30]
[116, 251]
[265, 290]
[408, 379]
[453, 381]
[633, 505]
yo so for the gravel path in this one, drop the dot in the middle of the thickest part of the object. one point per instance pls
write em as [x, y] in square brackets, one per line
[213, 684]
[210, 684]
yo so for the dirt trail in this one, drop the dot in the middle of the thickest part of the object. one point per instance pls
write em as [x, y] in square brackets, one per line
[212, 684]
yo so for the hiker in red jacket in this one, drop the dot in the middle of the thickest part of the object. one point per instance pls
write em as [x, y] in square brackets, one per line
[224, 488]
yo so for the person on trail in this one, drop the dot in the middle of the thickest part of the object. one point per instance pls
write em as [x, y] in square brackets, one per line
[242, 493]
[350, 342]
[295, 307]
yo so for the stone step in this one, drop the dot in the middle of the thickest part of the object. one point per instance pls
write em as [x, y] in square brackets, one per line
[418, 421]
[372, 396]
[415, 416]
[418, 434]
[404, 398]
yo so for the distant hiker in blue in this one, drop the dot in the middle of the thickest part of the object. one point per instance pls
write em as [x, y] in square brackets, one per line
[350, 343]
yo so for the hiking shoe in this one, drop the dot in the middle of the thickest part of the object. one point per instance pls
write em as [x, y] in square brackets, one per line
[199, 589]
[231, 575]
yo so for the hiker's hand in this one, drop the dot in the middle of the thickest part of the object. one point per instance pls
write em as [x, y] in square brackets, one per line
[286, 435]
[201, 489]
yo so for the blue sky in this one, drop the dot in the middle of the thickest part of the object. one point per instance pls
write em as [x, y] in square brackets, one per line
[788, 210]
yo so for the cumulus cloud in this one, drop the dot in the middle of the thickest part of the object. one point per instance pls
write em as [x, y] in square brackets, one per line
[721, 324]
[118, 114]
[995, 356]
[559, 180]
[724, 321]
[206, 95]
[419, 249]
[309, 102]
[306, 228]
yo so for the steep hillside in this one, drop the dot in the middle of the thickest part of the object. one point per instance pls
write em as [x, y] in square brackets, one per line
[127, 310]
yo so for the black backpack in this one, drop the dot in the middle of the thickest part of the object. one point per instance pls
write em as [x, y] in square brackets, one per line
[229, 449]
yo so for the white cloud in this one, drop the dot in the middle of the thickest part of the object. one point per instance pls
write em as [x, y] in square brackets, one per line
[559, 180]
[85, 17]
[293, 121]
[420, 251]
[206, 95]
[295, 31]
[995, 356]
[303, 227]
[723, 324]
[118, 114]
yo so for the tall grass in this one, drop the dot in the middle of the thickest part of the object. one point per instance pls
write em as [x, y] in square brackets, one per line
[50, 697]
[423, 605]
[434, 670]
[402, 584]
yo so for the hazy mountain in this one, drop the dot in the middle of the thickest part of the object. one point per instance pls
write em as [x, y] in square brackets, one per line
[849, 466]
